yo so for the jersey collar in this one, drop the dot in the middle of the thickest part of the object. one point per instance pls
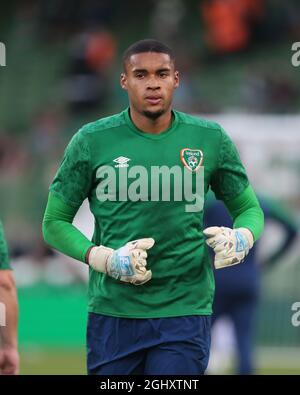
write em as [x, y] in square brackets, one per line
[152, 136]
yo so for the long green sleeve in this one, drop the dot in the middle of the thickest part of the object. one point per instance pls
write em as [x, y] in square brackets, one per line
[246, 212]
[4, 259]
[59, 232]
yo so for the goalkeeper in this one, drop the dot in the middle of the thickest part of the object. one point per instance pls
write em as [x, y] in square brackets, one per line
[151, 284]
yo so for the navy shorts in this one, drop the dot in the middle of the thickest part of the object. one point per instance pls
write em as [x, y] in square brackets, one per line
[154, 346]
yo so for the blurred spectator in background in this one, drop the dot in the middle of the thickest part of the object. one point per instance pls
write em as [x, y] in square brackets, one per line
[64, 17]
[282, 94]
[14, 160]
[261, 92]
[91, 58]
[229, 23]
[166, 20]
[46, 134]
[293, 17]
[237, 287]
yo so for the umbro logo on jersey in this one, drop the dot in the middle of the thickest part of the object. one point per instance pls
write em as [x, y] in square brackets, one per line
[191, 158]
[121, 161]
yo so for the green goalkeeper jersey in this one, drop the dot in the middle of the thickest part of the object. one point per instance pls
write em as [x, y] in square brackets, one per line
[4, 261]
[105, 151]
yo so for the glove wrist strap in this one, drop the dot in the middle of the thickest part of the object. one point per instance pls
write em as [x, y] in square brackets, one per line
[249, 236]
[98, 258]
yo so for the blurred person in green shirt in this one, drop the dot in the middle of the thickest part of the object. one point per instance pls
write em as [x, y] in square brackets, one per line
[9, 356]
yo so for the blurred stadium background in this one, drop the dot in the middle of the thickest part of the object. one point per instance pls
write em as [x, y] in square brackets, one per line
[63, 64]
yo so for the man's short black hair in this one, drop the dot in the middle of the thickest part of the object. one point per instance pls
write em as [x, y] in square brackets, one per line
[147, 45]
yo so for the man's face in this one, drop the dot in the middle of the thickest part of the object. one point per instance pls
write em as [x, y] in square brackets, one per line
[150, 79]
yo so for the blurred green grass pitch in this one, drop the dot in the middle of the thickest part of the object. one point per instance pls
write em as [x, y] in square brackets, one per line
[73, 362]
[52, 329]
[53, 362]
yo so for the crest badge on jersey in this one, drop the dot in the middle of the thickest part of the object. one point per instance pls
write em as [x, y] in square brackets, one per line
[191, 158]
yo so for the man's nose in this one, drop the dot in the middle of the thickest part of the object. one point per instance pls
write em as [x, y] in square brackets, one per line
[153, 83]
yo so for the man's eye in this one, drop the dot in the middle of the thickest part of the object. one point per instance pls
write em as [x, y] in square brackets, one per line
[139, 76]
[163, 75]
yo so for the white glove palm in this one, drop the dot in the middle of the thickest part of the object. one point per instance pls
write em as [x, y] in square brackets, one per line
[127, 263]
[231, 246]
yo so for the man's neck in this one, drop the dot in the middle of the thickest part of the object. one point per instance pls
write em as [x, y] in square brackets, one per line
[148, 125]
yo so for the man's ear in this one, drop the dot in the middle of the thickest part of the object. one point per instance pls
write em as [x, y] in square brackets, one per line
[176, 85]
[123, 81]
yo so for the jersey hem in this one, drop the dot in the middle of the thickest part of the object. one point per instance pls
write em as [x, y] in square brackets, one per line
[143, 316]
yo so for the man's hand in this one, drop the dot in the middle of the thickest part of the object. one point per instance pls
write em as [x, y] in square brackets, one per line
[127, 263]
[9, 360]
[231, 246]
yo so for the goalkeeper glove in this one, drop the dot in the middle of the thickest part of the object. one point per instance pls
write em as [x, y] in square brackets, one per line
[127, 263]
[231, 246]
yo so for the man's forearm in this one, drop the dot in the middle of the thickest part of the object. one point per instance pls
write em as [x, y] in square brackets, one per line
[247, 213]
[59, 232]
[8, 296]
